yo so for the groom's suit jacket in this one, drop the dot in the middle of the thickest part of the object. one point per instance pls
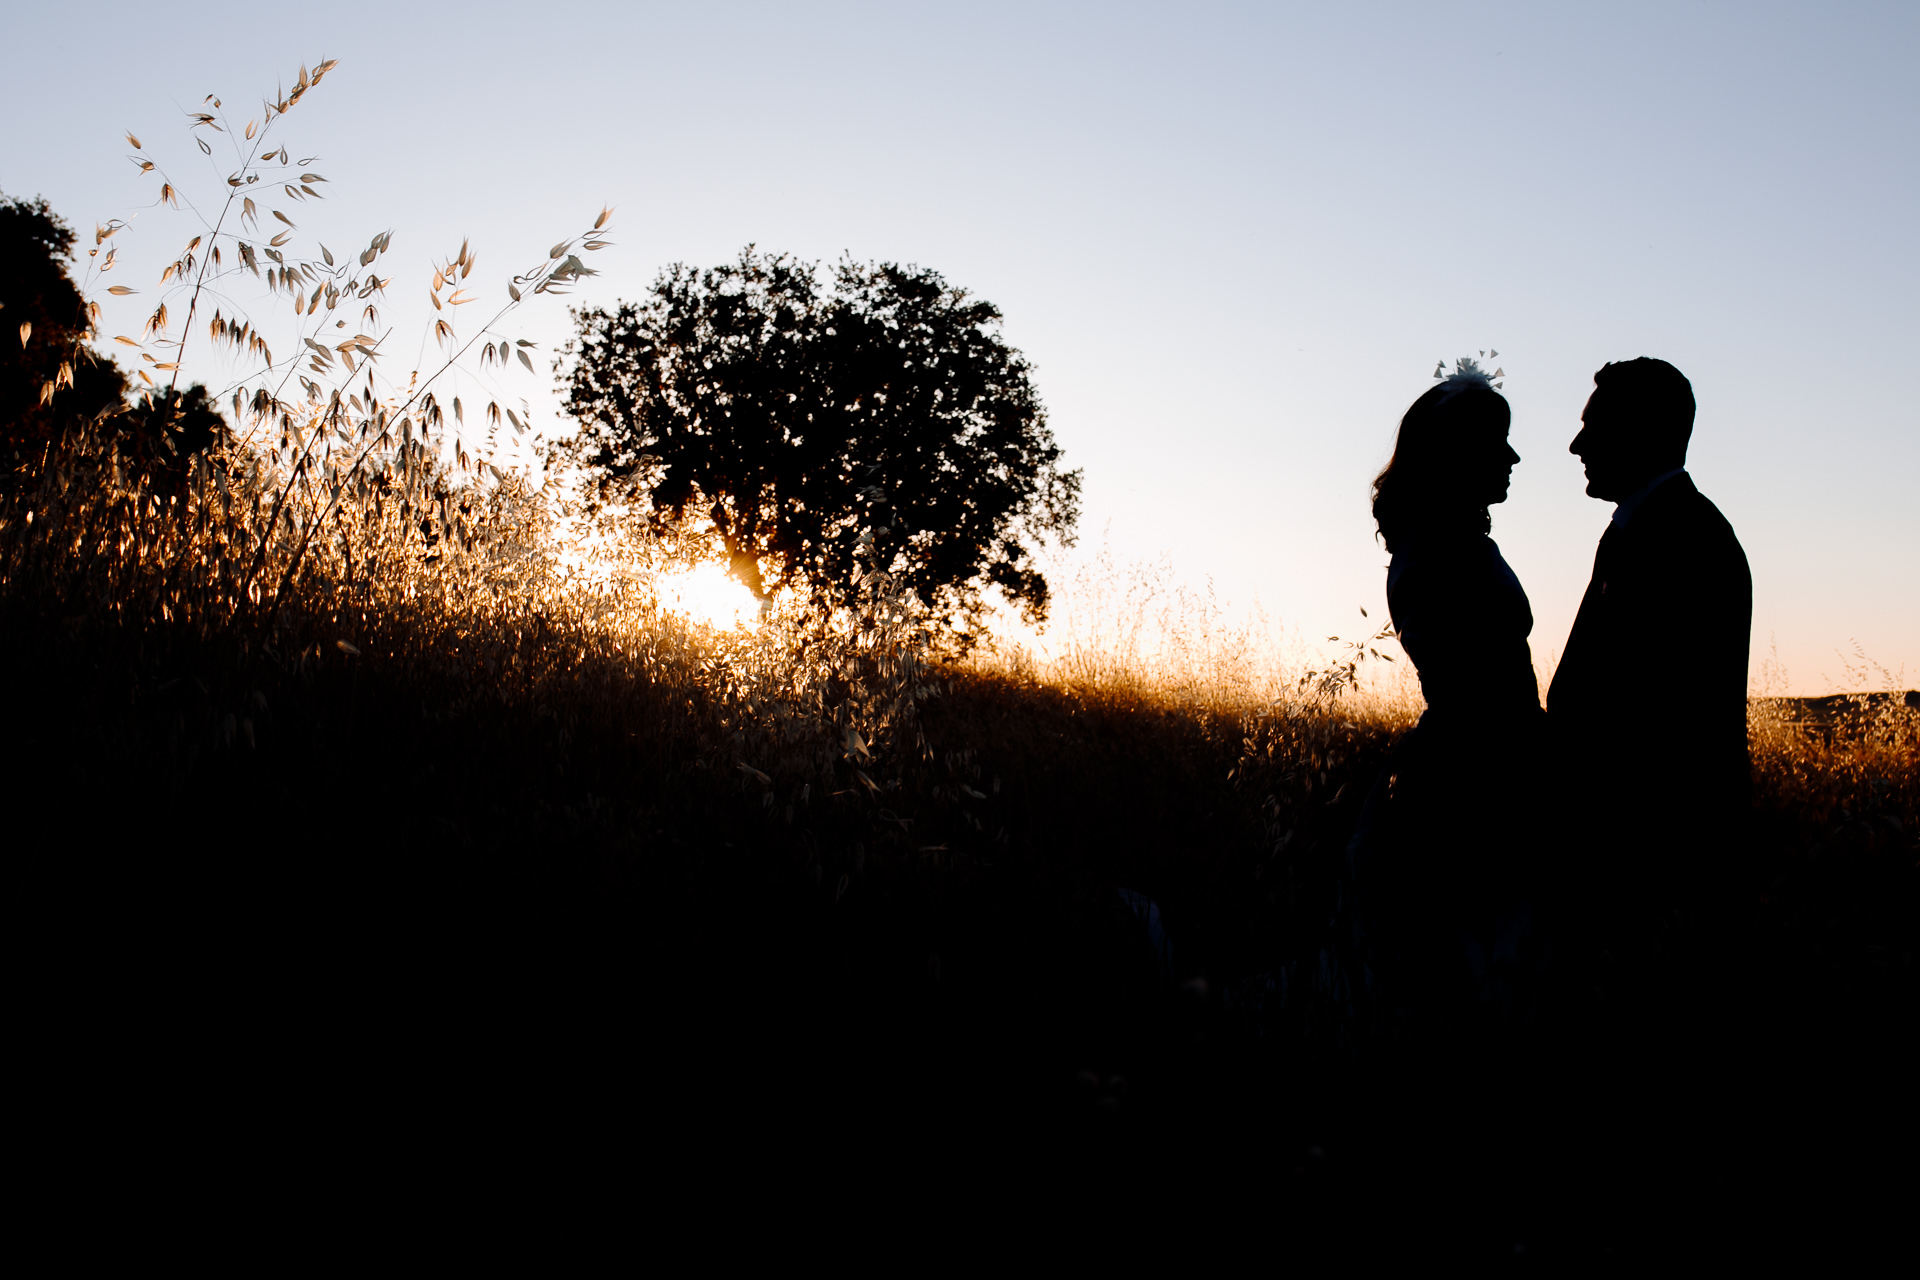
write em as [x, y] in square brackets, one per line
[1648, 708]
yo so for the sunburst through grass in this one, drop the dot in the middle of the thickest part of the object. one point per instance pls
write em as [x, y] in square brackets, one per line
[708, 594]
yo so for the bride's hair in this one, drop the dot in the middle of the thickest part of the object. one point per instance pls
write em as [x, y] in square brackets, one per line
[1423, 490]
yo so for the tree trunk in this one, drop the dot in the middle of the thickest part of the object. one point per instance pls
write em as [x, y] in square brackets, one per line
[742, 563]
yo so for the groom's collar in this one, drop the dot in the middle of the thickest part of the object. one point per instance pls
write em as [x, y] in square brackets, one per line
[1631, 503]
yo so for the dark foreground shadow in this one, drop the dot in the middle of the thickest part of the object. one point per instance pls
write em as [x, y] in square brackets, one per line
[281, 978]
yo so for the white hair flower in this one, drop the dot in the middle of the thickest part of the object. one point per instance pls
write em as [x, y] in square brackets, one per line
[1468, 375]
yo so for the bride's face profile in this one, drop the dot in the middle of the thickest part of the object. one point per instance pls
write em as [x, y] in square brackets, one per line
[1492, 470]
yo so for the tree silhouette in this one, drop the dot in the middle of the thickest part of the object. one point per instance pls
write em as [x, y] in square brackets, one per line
[162, 431]
[883, 418]
[49, 376]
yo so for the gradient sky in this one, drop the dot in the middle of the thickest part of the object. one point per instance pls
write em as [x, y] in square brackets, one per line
[1233, 239]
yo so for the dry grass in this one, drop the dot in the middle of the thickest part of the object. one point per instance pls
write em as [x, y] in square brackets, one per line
[1845, 757]
[419, 772]
[1203, 771]
[805, 877]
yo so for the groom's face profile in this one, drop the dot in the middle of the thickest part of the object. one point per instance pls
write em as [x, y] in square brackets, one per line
[1615, 450]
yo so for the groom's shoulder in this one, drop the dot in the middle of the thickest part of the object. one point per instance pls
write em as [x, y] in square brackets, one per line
[1678, 507]
[1686, 524]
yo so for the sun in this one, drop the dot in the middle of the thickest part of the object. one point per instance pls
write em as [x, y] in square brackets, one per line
[708, 593]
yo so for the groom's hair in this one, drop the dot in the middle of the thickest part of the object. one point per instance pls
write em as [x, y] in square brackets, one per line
[1651, 394]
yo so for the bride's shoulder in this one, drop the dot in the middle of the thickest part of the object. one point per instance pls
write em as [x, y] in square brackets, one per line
[1458, 565]
[1442, 557]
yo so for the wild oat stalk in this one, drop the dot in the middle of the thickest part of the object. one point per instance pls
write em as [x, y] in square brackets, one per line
[323, 416]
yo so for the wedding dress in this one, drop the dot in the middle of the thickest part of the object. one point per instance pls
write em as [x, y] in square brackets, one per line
[1444, 870]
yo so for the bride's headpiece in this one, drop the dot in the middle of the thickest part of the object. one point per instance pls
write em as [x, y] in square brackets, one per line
[1467, 375]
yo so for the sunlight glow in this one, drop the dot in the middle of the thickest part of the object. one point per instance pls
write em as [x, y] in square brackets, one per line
[707, 593]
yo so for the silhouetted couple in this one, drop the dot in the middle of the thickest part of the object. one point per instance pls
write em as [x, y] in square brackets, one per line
[1504, 842]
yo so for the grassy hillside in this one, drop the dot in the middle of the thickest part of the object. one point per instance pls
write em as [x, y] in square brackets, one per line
[374, 780]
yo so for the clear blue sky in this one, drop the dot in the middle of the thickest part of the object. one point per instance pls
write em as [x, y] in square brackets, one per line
[1234, 239]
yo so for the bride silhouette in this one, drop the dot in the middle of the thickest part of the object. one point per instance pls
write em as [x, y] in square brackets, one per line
[1440, 878]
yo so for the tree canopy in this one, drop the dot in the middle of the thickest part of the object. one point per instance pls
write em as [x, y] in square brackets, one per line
[50, 376]
[48, 373]
[880, 419]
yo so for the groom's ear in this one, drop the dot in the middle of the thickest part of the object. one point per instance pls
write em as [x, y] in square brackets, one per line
[1622, 424]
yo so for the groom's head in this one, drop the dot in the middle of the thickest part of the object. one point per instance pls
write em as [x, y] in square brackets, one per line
[1637, 424]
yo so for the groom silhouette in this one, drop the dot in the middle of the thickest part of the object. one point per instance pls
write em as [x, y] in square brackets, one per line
[1648, 709]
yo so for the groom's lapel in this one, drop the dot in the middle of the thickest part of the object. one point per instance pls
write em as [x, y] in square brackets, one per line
[1606, 560]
